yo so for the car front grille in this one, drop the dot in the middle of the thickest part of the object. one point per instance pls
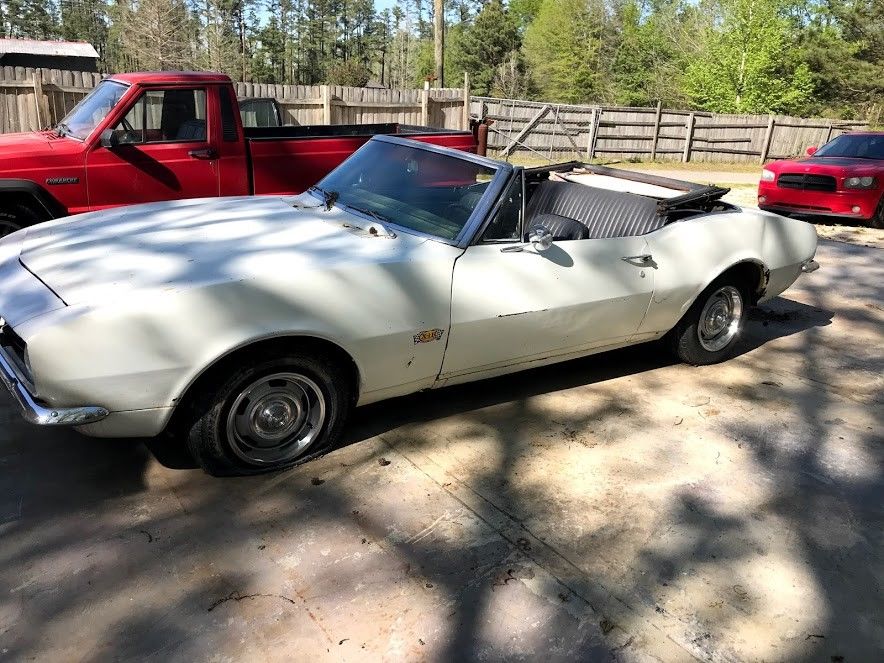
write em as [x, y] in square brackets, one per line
[806, 182]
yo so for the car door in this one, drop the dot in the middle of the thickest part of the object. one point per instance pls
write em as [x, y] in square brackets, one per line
[163, 150]
[515, 304]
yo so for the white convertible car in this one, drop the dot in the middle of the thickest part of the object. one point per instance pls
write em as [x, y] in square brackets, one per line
[249, 327]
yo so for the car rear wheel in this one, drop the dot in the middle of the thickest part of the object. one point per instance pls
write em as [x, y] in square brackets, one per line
[712, 327]
[269, 415]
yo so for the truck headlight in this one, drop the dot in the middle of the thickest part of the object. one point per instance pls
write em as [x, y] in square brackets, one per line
[860, 183]
[768, 175]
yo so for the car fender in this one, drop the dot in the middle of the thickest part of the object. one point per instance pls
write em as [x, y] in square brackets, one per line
[690, 254]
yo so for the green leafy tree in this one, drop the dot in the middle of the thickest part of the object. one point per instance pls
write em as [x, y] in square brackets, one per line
[750, 65]
[563, 47]
[487, 44]
[31, 19]
[85, 20]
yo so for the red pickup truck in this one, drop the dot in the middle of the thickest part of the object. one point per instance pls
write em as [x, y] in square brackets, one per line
[144, 137]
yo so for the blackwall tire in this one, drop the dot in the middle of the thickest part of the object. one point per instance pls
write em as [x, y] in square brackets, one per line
[711, 329]
[270, 414]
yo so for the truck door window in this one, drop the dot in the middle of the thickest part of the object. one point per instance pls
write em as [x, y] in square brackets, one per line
[165, 116]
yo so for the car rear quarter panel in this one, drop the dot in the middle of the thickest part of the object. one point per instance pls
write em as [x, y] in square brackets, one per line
[690, 254]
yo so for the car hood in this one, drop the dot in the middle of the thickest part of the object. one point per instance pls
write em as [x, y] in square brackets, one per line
[827, 165]
[163, 247]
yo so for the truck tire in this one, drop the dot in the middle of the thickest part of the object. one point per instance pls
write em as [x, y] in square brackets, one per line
[15, 216]
[269, 413]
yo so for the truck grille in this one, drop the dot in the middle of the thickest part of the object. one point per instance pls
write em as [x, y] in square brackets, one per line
[806, 182]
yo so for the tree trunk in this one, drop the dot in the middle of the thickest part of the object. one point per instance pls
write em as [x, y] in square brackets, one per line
[439, 40]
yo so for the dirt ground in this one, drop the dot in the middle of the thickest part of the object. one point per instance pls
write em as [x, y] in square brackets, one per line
[619, 507]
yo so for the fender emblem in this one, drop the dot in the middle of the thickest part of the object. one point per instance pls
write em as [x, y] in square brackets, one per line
[428, 335]
[62, 180]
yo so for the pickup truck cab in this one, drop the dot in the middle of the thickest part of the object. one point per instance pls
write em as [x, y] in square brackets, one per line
[147, 137]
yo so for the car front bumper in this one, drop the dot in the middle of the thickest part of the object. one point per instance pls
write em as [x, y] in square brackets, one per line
[39, 414]
[860, 204]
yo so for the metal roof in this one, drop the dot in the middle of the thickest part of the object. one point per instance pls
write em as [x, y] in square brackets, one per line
[76, 49]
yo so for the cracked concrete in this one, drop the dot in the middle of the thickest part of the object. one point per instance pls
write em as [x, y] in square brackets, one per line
[619, 507]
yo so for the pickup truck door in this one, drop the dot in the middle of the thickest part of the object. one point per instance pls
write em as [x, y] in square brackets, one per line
[512, 304]
[161, 149]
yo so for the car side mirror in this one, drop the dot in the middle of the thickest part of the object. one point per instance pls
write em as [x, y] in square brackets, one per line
[109, 139]
[811, 151]
[541, 238]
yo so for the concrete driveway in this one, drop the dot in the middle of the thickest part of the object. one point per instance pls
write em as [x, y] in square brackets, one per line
[615, 508]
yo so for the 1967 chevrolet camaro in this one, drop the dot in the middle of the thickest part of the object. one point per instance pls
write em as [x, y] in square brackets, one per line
[247, 328]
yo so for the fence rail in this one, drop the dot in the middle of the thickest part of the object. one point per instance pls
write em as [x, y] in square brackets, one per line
[33, 99]
[552, 131]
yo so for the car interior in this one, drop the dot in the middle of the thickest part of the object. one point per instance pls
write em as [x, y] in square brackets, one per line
[573, 211]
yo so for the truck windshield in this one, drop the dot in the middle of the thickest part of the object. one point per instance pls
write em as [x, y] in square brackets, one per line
[415, 189]
[90, 112]
[855, 146]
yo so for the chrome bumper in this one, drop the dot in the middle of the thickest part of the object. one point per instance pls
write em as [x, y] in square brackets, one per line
[809, 266]
[38, 414]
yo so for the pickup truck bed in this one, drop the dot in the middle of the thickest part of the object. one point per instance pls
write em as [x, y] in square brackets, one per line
[268, 147]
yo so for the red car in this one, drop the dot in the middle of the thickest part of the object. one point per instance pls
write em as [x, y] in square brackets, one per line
[843, 178]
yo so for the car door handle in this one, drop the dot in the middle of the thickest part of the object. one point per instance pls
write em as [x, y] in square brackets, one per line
[642, 260]
[207, 153]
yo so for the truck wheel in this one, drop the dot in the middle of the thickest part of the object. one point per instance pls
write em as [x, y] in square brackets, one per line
[270, 414]
[708, 333]
[15, 216]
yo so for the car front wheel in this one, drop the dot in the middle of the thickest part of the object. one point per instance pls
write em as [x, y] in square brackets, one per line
[710, 330]
[270, 414]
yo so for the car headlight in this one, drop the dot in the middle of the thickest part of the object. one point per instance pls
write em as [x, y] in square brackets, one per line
[860, 183]
[768, 175]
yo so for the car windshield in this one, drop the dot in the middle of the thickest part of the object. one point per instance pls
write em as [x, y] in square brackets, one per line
[90, 112]
[856, 146]
[414, 188]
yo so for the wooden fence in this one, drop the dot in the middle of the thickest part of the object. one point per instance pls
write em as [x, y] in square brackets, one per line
[33, 99]
[552, 131]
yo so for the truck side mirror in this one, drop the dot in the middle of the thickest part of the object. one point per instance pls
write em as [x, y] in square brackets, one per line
[109, 139]
[811, 151]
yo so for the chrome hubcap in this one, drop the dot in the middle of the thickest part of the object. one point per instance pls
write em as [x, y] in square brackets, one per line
[276, 418]
[720, 319]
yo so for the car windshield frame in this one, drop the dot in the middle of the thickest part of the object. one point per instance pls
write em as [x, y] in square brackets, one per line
[852, 140]
[324, 191]
[69, 125]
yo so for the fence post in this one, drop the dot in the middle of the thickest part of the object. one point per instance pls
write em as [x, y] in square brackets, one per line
[466, 101]
[656, 130]
[43, 119]
[768, 138]
[828, 132]
[425, 104]
[688, 138]
[326, 104]
[595, 118]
